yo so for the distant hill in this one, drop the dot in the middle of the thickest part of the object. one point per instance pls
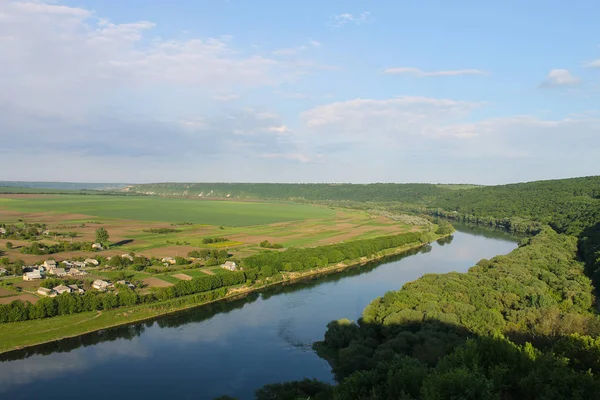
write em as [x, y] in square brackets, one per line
[408, 192]
[566, 204]
[61, 186]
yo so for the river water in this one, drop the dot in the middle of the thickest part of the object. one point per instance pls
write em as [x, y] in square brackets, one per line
[232, 347]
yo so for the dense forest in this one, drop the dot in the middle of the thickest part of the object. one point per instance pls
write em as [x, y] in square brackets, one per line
[520, 326]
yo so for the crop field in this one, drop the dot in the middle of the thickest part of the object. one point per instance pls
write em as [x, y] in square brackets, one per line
[226, 213]
[162, 227]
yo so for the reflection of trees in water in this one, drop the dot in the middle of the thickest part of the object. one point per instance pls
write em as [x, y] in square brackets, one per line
[445, 240]
[198, 314]
[486, 231]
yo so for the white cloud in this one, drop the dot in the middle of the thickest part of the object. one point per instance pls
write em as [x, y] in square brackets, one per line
[419, 125]
[315, 43]
[346, 18]
[278, 129]
[421, 73]
[304, 158]
[226, 97]
[290, 50]
[593, 64]
[559, 77]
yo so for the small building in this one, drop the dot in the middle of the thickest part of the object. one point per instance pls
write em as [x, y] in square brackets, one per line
[101, 285]
[46, 292]
[60, 272]
[3, 271]
[230, 265]
[127, 256]
[77, 272]
[97, 246]
[77, 289]
[2, 231]
[169, 260]
[30, 276]
[49, 264]
[91, 261]
[79, 264]
[68, 264]
[60, 289]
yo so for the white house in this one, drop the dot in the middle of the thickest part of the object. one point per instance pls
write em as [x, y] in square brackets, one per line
[91, 261]
[50, 264]
[2, 231]
[127, 283]
[60, 272]
[30, 276]
[3, 271]
[99, 284]
[68, 264]
[77, 289]
[97, 246]
[230, 265]
[62, 289]
[127, 256]
[169, 260]
[46, 292]
[77, 272]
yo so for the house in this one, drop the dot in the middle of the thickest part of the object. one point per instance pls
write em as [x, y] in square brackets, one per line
[126, 283]
[127, 256]
[60, 272]
[91, 261]
[77, 272]
[77, 289]
[49, 264]
[30, 276]
[169, 260]
[97, 246]
[230, 265]
[62, 289]
[46, 292]
[99, 284]
[79, 264]
[3, 271]
[2, 231]
[68, 264]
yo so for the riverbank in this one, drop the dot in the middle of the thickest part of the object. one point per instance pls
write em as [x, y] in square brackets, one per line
[19, 335]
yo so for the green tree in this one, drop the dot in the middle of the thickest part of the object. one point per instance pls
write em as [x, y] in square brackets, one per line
[9, 245]
[102, 236]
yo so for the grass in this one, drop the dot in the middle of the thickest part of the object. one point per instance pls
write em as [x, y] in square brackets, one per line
[218, 213]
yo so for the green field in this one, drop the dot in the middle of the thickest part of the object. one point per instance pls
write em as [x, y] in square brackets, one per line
[226, 213]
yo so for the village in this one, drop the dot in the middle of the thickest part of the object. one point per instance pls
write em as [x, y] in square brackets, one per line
[67, 270]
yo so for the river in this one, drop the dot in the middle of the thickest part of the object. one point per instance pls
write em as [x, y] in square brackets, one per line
[231, 347]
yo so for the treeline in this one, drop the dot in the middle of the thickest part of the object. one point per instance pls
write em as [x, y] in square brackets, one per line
[520, 326]
[21, 232]
[69, 303]
[300, 259]
[411, 192]
[162, 231]
[41, 249]
[268, 245]
[214, 240]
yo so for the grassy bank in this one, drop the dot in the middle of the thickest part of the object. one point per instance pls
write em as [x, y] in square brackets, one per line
[19, 335]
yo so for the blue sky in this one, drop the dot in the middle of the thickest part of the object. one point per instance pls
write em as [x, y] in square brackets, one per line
[265, 91]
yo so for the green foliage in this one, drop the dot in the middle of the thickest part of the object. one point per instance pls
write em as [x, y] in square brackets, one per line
[268, 263]
[162, 231]
[214, 240]
[306, 389]
[102, 236]
[268, 245]
[9, 245]
[41, 249]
